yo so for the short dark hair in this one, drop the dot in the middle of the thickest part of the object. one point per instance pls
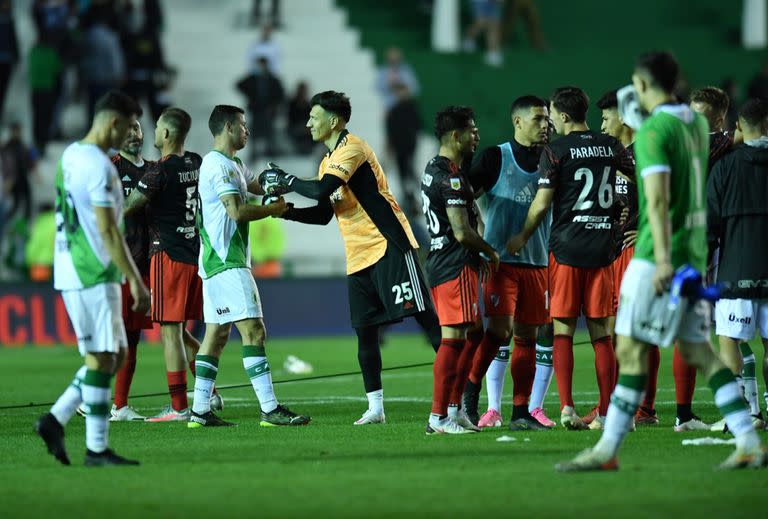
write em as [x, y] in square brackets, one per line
[573, 101]
[526, 102]
[661, 67]
[715, 97]
[334, 102]
[179, 120]
[221, 115]
[117, 101]
[754, 112]
[609, 100]
[452, 118]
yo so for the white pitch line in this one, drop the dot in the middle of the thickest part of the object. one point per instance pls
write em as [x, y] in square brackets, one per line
[329, 400]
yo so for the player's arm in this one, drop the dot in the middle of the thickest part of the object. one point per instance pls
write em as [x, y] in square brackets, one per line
[118, 252]
[320, 214]
[240, 212]
[536, 213]
[657, 206]
[150, 184]
[337, 172]
[467, 236]
[484, 172]
[278, 181]
[255, 188]
[136, 201]
[317, 189]
[714, 219]
[480, 221]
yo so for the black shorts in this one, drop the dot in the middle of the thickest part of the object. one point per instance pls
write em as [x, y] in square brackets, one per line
[389, 290]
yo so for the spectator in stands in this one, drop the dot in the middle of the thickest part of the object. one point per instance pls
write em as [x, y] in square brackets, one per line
[19, 162]
[265, 47]
[9, 49]
[274, 16]
[39, 248]
[298, 112]
[5, 200]
[393, 73]
[102, 61]
[154, 19]
[403, 124]
[52, 18]
[265, 94]
[487, 19]
[758, 85]
[45, 78]
[14, 267]
[147, 75]
[530, 13]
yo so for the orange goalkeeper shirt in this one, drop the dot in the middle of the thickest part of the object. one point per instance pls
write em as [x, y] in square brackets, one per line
[365, 208]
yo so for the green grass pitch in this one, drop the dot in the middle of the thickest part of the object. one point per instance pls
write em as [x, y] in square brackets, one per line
[333, 469]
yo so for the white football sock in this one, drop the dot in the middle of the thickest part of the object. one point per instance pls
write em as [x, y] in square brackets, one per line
[494, 378]
[66, 405]
[376, 401]
[543, 377]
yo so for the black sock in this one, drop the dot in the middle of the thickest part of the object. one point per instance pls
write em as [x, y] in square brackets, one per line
[471, 387]
[431, 325]
[369, 357]
[519, 411]
[684, 412]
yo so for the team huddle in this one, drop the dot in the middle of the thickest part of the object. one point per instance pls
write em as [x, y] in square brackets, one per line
[594, 223]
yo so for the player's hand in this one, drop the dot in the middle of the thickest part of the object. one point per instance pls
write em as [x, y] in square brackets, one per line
[493, 262]
[630, 237]
[278, 207]
[275, 181]
[140, 296]
[516, 243]
[624, 216]
[662, 276]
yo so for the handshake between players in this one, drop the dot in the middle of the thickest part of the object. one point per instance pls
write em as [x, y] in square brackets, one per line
[275, 182]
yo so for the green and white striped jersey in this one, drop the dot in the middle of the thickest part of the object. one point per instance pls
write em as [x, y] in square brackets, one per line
[224, 241]
[85, 178]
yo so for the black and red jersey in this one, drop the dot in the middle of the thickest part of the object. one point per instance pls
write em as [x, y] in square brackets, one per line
[626, 197]
[581, 168]
[134, 227]
[171, 186]
[443, 186]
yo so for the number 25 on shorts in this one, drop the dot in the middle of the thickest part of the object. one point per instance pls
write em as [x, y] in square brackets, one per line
[402, 292]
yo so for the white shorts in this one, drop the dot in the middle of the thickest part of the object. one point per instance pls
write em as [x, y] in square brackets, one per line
[694, 326]
[97, 317]
[231, 296]
[740, 318]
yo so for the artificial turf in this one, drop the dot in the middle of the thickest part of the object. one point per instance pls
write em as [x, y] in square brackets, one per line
[334, 469]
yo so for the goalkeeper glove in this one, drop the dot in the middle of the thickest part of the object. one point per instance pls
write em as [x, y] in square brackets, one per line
[274, 181]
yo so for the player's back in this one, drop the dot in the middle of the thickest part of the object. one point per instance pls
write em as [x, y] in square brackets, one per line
[171, 185]
[581, 167]
[224, 242]
[443, 186]
[85, 179]
[675, 139]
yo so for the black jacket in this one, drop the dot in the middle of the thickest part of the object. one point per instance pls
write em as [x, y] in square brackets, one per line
[737, 221]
